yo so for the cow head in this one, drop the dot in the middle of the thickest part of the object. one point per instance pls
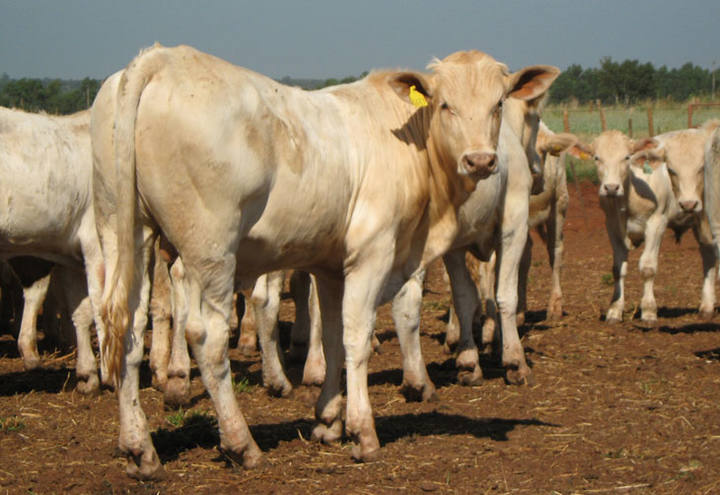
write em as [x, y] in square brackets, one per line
[465, 95]
[684, 154]
[612, 152]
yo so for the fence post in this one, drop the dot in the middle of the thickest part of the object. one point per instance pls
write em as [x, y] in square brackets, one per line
[630, 131]
[651, 125]
[603, 125]
[566, 120]
[690, 112]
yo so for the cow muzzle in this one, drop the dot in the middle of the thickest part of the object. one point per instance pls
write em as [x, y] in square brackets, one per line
[480, 165]
[611, 190]
[690, 206]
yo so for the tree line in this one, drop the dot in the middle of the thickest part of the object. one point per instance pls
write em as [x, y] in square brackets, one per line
[613, 82]
[630, 81]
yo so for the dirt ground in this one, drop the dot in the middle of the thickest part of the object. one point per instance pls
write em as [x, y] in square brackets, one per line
[614, 409]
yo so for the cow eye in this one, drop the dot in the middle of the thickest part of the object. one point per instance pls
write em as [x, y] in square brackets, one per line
[596, 158]
[672, 172]
[444, 106]
[627, 157]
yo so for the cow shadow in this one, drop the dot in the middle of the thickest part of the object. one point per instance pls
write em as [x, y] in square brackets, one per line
[710, 355]
[201, 431]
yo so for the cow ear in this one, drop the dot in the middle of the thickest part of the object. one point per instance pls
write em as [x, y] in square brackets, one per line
[649, 157]
[412, 87]
[644, 144]
[557, 143]
[532, 82]
[580, 150]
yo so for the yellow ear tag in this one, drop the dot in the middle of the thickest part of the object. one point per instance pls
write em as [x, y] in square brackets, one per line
[417, 98]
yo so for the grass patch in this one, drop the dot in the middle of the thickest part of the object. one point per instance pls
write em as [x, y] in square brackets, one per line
[11, 423]
[182, 418]
[241, 386]
[607, 278]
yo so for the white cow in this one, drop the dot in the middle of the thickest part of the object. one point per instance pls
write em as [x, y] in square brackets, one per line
[357, 183]
[640, 201]
[45, 165]
[712, 186]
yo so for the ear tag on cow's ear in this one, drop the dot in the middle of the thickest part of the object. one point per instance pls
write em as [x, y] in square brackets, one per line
[417, 98]
[647, 168]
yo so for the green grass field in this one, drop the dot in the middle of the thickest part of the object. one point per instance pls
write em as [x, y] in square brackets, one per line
[586, 124]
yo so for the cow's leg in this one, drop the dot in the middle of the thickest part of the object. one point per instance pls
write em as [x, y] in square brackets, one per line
[328, 410]
[486, 272]
[300, 331]
[513, 239]
[34, 296]
[709, 261]
[177, 389]
[406, 310]
[247, 343]
[209, 286]
[556, 247]
[615, 224]
[160, 312]
[465, 302]
[314, 370]
[523, 273]
[78, 304]
[135, 440]
[363, 289]
[265, 303]
[452, 331]
[654, 230]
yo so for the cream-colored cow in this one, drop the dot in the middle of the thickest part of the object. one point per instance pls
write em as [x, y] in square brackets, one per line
[712, 186]
[645, 187]
[359, 184]
[45, 183]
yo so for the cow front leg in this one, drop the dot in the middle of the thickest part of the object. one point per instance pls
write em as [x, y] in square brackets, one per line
[648, 263]
[616, 232]
[465, 302]
[524, 272]
[406, 309]
[709, 262]
[363, 288]
[160, 312]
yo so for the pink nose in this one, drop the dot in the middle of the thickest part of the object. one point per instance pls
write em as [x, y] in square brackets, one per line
[689, 205]
[482, 164]
[611, 189]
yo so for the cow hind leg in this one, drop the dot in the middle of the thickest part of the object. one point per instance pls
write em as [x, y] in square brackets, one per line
[209, 293]
[648, 267]
[34, 296]
[314, 370]
[177, 388]
[328, 410]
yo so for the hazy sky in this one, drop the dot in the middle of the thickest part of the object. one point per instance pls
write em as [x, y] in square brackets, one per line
[336, 38]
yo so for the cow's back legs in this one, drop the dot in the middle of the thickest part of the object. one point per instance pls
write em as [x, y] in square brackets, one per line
[406, 309]
[465, 302]
[314, 370]
[160, 312]
[177, 389]
[710, 263]
[265, 303]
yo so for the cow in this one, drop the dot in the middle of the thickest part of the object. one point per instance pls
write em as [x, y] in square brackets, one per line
[712, 186]
[547, 211]
[358, 184]
[640, 200]
[46, 189]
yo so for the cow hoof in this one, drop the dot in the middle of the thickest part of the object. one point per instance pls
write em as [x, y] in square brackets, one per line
[649, 320]
[250, 457]
[519, 377]
[281, 389]
[422, 393]
[248, 350]
[313, 378]
[449, 347]
[368, 450]
[327, 434]
[707, 315]
[376, 345]
[177, 393]
[145, 466]
[88, 385]
[611, 320]
[31, 362]
[470, 378]
[159, 383]
[520, 319]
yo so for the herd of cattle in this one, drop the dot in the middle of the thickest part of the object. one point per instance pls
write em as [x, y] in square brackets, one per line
[191, 179]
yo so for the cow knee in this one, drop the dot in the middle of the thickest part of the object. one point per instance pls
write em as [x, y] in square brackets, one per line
[648, 271]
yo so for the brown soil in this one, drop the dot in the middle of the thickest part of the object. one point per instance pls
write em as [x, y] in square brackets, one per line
[614, 409]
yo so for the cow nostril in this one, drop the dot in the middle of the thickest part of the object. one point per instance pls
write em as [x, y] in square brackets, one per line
[480, 162]
[612, 188]
[689, 205]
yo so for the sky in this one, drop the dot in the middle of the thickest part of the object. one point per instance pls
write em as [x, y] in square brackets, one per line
[73, 39]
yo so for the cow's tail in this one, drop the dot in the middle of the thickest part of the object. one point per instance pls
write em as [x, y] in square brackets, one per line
[119, 284]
